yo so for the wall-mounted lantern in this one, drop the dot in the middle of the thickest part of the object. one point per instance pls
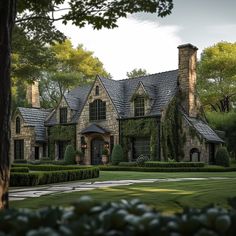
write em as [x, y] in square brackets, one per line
[84, 145]
[106, 145]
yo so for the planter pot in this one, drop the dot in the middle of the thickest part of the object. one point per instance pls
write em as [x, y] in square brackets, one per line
[78, 159]
[104, 159]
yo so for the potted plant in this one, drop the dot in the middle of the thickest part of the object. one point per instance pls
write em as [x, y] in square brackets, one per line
[79, 156]
[105, 154]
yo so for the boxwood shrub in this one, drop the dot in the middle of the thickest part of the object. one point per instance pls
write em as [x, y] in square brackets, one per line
[163, 169]
[173, 164]
[20, 169]
[48, 177]
[47, 167]
[122, 218]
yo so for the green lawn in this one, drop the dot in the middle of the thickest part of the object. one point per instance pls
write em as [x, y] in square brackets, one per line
[167, 197]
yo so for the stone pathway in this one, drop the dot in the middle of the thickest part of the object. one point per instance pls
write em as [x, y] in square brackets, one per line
[29, 192]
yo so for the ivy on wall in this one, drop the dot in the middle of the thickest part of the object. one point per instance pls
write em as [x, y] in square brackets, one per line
[60, 133]
[143, 127]
[173, 136]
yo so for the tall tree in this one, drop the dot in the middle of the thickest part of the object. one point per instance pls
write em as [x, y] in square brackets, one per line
[136, 73]
[37, 18]
[217, 76]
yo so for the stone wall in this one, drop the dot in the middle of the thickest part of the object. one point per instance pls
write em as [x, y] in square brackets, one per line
[27, 134]
[63, 104]
[111, 123]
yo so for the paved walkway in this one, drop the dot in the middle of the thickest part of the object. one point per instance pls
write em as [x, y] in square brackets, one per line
[29, 192]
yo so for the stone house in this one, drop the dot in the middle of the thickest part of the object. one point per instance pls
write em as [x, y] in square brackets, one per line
[157, 115]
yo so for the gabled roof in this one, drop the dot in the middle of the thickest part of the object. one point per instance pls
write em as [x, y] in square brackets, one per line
[75, 100]
[160, 88]
[93, 128]
[35, 117]
[204, 129]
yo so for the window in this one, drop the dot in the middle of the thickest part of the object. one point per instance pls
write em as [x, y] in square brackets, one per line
[63, 115]
[97, 110]
[139, 106]
[17, 125]
[97, 91]
[19, 149]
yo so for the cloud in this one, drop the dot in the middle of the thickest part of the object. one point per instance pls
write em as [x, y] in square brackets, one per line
[134, 44]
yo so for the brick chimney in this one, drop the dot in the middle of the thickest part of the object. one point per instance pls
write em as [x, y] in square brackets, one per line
[32, 95]
[187, 78]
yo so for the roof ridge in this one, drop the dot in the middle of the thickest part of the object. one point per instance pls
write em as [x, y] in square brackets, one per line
[138, 77]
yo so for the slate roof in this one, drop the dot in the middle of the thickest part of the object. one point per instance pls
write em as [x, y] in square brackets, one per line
[93, 128]
[35, 117]
[204, 129]
[75, 99]
[161, 87]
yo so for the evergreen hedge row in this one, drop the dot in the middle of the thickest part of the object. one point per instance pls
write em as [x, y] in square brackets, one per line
[122, 218]
[20, 169]
[48, 177]
[164, 169]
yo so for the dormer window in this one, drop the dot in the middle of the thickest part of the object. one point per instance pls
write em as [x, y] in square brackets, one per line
[97, 90]
[63, 115]
[97, 110]
[139, 108]
[18, 125]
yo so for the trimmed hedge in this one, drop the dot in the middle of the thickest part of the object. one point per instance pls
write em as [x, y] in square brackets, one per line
[122, 218]
[127, 163]
[49, 167]
[173, 164]
[20, 161]
[222, 157]
[20, 169]
[162, 169]
[48, 177]
[117, 155]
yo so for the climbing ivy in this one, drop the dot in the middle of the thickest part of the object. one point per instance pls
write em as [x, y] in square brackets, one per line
[173, 136]
[143, 127]
[60, 133]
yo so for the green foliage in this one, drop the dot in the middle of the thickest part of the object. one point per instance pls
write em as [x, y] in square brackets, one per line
[217, 73]
[225, 122]
[144, 127]
[60, 133]
[167, 169]
[222, 157]
[20, 161]
[141, 160]
[173, 164]
[128, 163]
[136, 73]
[69, 156]
[173, 136]
[47, 176]
[117, 155]
[20, 169]
[122, 218]
[105, 152]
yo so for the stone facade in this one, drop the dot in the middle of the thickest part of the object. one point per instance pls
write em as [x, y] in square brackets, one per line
[27, 135]
[111, 123]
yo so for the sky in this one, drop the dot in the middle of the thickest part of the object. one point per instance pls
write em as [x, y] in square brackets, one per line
[149, 42]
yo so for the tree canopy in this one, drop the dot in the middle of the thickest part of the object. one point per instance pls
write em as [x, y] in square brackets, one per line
[37, 19]
[136, 73]
[217, 76]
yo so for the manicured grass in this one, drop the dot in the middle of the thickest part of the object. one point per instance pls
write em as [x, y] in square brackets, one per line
[168, 197]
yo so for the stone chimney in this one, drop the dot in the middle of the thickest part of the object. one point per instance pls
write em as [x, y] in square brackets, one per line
[32, 95]
[187, 78]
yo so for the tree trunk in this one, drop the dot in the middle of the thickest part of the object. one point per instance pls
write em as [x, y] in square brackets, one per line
[7, 18]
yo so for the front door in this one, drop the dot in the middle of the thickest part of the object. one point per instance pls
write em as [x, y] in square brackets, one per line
[96, 151]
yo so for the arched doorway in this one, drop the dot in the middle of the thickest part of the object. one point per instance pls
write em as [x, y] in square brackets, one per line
[96, 150]
[195, 155]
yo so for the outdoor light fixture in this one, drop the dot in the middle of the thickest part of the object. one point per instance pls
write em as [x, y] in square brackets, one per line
[84, 145]
[106, 145]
